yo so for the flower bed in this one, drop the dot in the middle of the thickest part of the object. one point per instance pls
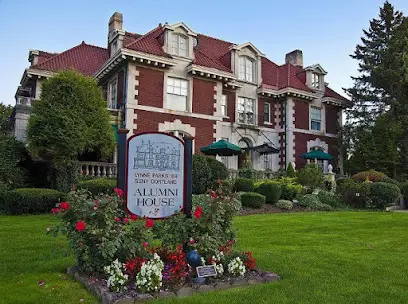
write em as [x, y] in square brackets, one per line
[136, 257]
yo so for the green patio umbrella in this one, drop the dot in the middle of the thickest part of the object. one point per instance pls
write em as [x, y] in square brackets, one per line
[317, 154]
[221, 148]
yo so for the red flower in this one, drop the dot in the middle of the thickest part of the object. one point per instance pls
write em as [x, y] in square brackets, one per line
[133, 217]
[54, 210]
[213, 194]
[145, 244]
[149, 223]
[117, 220]
[119, 192]
[125, 220]
[80, 226]
[192, 241]
[64, 205]
[198, 212]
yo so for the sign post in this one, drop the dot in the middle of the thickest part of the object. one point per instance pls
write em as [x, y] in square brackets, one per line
[121, 163]
[188, 140]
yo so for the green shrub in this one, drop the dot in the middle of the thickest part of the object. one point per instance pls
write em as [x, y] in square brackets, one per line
[199, 199]
[290, 188]
[244, 184]
[284, 204]
[12, 154]
[370, 175]
[202, 179]
[328, 198]
[252, 199]
[30, 200]
[311, 176]
[98, 185]
[218, 170]
[270, 190]
[311, 201]
[290, 171]
[354, 194]
[383, 195]
[404, 192]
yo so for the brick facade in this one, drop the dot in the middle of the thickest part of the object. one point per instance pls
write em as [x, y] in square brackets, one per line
[150, 88]
[301, 114]
[332, 119]
[203, 96]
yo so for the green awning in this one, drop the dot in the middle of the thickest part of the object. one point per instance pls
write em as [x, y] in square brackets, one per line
[115, 131]
[221, 148]
[317, 154]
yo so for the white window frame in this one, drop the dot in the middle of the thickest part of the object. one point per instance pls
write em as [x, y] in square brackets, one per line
[174, 91]
[225, 159]
[246, 69]
[179, 45]
[267, 105]
[246, 111]
[113, 102]
[224, 105]
[315, 120]
[316, 80]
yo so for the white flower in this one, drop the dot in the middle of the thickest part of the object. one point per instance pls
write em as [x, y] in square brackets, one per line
[116, 279]
[236, 267]
[150, 276]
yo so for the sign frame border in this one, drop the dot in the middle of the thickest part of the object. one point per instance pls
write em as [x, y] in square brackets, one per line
[127, 170]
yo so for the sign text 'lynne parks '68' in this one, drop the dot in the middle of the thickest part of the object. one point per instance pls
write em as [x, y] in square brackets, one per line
[155, 175]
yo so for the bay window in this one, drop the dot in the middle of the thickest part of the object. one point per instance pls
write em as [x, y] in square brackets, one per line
[246, 110]
[177, 92]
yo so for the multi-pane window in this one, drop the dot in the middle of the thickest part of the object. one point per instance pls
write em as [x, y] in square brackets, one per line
[177, 91]
[224, 159]
[179, 45]
[315, 118]
[267, 112]
[246, 69]
[246, 110]
[112, 102]
[315, 81]
[224, 105]
[178, 134]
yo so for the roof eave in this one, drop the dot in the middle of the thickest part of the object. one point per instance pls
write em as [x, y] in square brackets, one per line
[210, 72]
[337, 102]
[288, 91]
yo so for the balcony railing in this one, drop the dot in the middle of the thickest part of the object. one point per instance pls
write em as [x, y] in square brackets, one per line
[97, 169]
[25, 101]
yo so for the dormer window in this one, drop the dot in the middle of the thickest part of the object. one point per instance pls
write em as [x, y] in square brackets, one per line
[179, 45]
[246, 69]
[315, 80]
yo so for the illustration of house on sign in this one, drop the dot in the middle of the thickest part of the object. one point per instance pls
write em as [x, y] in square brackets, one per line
[157, 155]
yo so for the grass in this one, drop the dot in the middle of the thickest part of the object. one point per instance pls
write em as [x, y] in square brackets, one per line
[335, 257]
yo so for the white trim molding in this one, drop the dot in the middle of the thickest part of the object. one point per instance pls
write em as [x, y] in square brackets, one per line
[210, 73]
[177, 125]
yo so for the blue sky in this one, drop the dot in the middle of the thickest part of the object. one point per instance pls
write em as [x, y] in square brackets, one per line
[326, 31]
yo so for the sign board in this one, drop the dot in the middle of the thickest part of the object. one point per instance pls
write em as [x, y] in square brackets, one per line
[155, 175]
[206, 271]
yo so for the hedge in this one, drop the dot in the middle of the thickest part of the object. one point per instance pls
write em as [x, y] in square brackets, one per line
[354, 194]
[252, 199]
[328, 198]
[244, 184]
[202, 180]
[284, 204]
[218, 170]
[383, 195]
[30, 200]
[98, 185]
[404, 192]
[311, 201]
[270, 190]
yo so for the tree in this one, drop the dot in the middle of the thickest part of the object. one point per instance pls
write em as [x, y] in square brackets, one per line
[71, 118]
[12, 155]
[5, 112]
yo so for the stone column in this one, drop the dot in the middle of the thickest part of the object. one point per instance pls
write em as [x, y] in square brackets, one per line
[289, 128]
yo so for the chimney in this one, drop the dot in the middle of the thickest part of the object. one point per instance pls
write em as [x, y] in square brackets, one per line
[295, 57]
[33, 57]
[115, 22]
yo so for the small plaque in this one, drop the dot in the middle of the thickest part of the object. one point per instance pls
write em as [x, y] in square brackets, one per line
[206, 271]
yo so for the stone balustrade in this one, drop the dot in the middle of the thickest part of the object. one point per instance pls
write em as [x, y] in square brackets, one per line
[97, 169]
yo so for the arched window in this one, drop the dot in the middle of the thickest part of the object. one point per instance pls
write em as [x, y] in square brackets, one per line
[179, 134]
[179, 45]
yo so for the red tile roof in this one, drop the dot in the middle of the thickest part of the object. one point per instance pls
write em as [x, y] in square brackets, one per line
[84, 58]
[43, 56]
[130, 37]
[330, 93]
[149, 43]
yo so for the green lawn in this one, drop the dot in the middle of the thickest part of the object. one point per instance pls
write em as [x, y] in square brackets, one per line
[338, 257]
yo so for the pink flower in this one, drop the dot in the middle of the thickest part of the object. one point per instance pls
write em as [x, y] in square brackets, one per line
[145, 244]
[80, 226]
[125, 220]
[117, 220]
[198, 212]
[55, 210]
[95, 208]
[213, 194]
[149, 223]
[191, 241]
[64, 205]
[119, 192]
[133, 217]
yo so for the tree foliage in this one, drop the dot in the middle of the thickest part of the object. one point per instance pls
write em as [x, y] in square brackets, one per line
[12, 155]
[71, 118]
[5, 112]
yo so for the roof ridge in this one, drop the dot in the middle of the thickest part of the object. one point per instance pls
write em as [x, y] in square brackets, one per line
[217, 39]
[145, 35]
[93, 45]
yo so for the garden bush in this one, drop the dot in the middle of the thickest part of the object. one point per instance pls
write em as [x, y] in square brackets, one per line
[30, 200]
[404, 192]
[12, 154]
[354, 194]
[311, 176]
[284, 204]
[290, 188]
[311, 201]
[270, 190]
[98, 185]
[218, 170]
[370, 175]
[383, 195]
[253, 200]
[290, 171]
[244, 184]
[328, 198]
[202, 180]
